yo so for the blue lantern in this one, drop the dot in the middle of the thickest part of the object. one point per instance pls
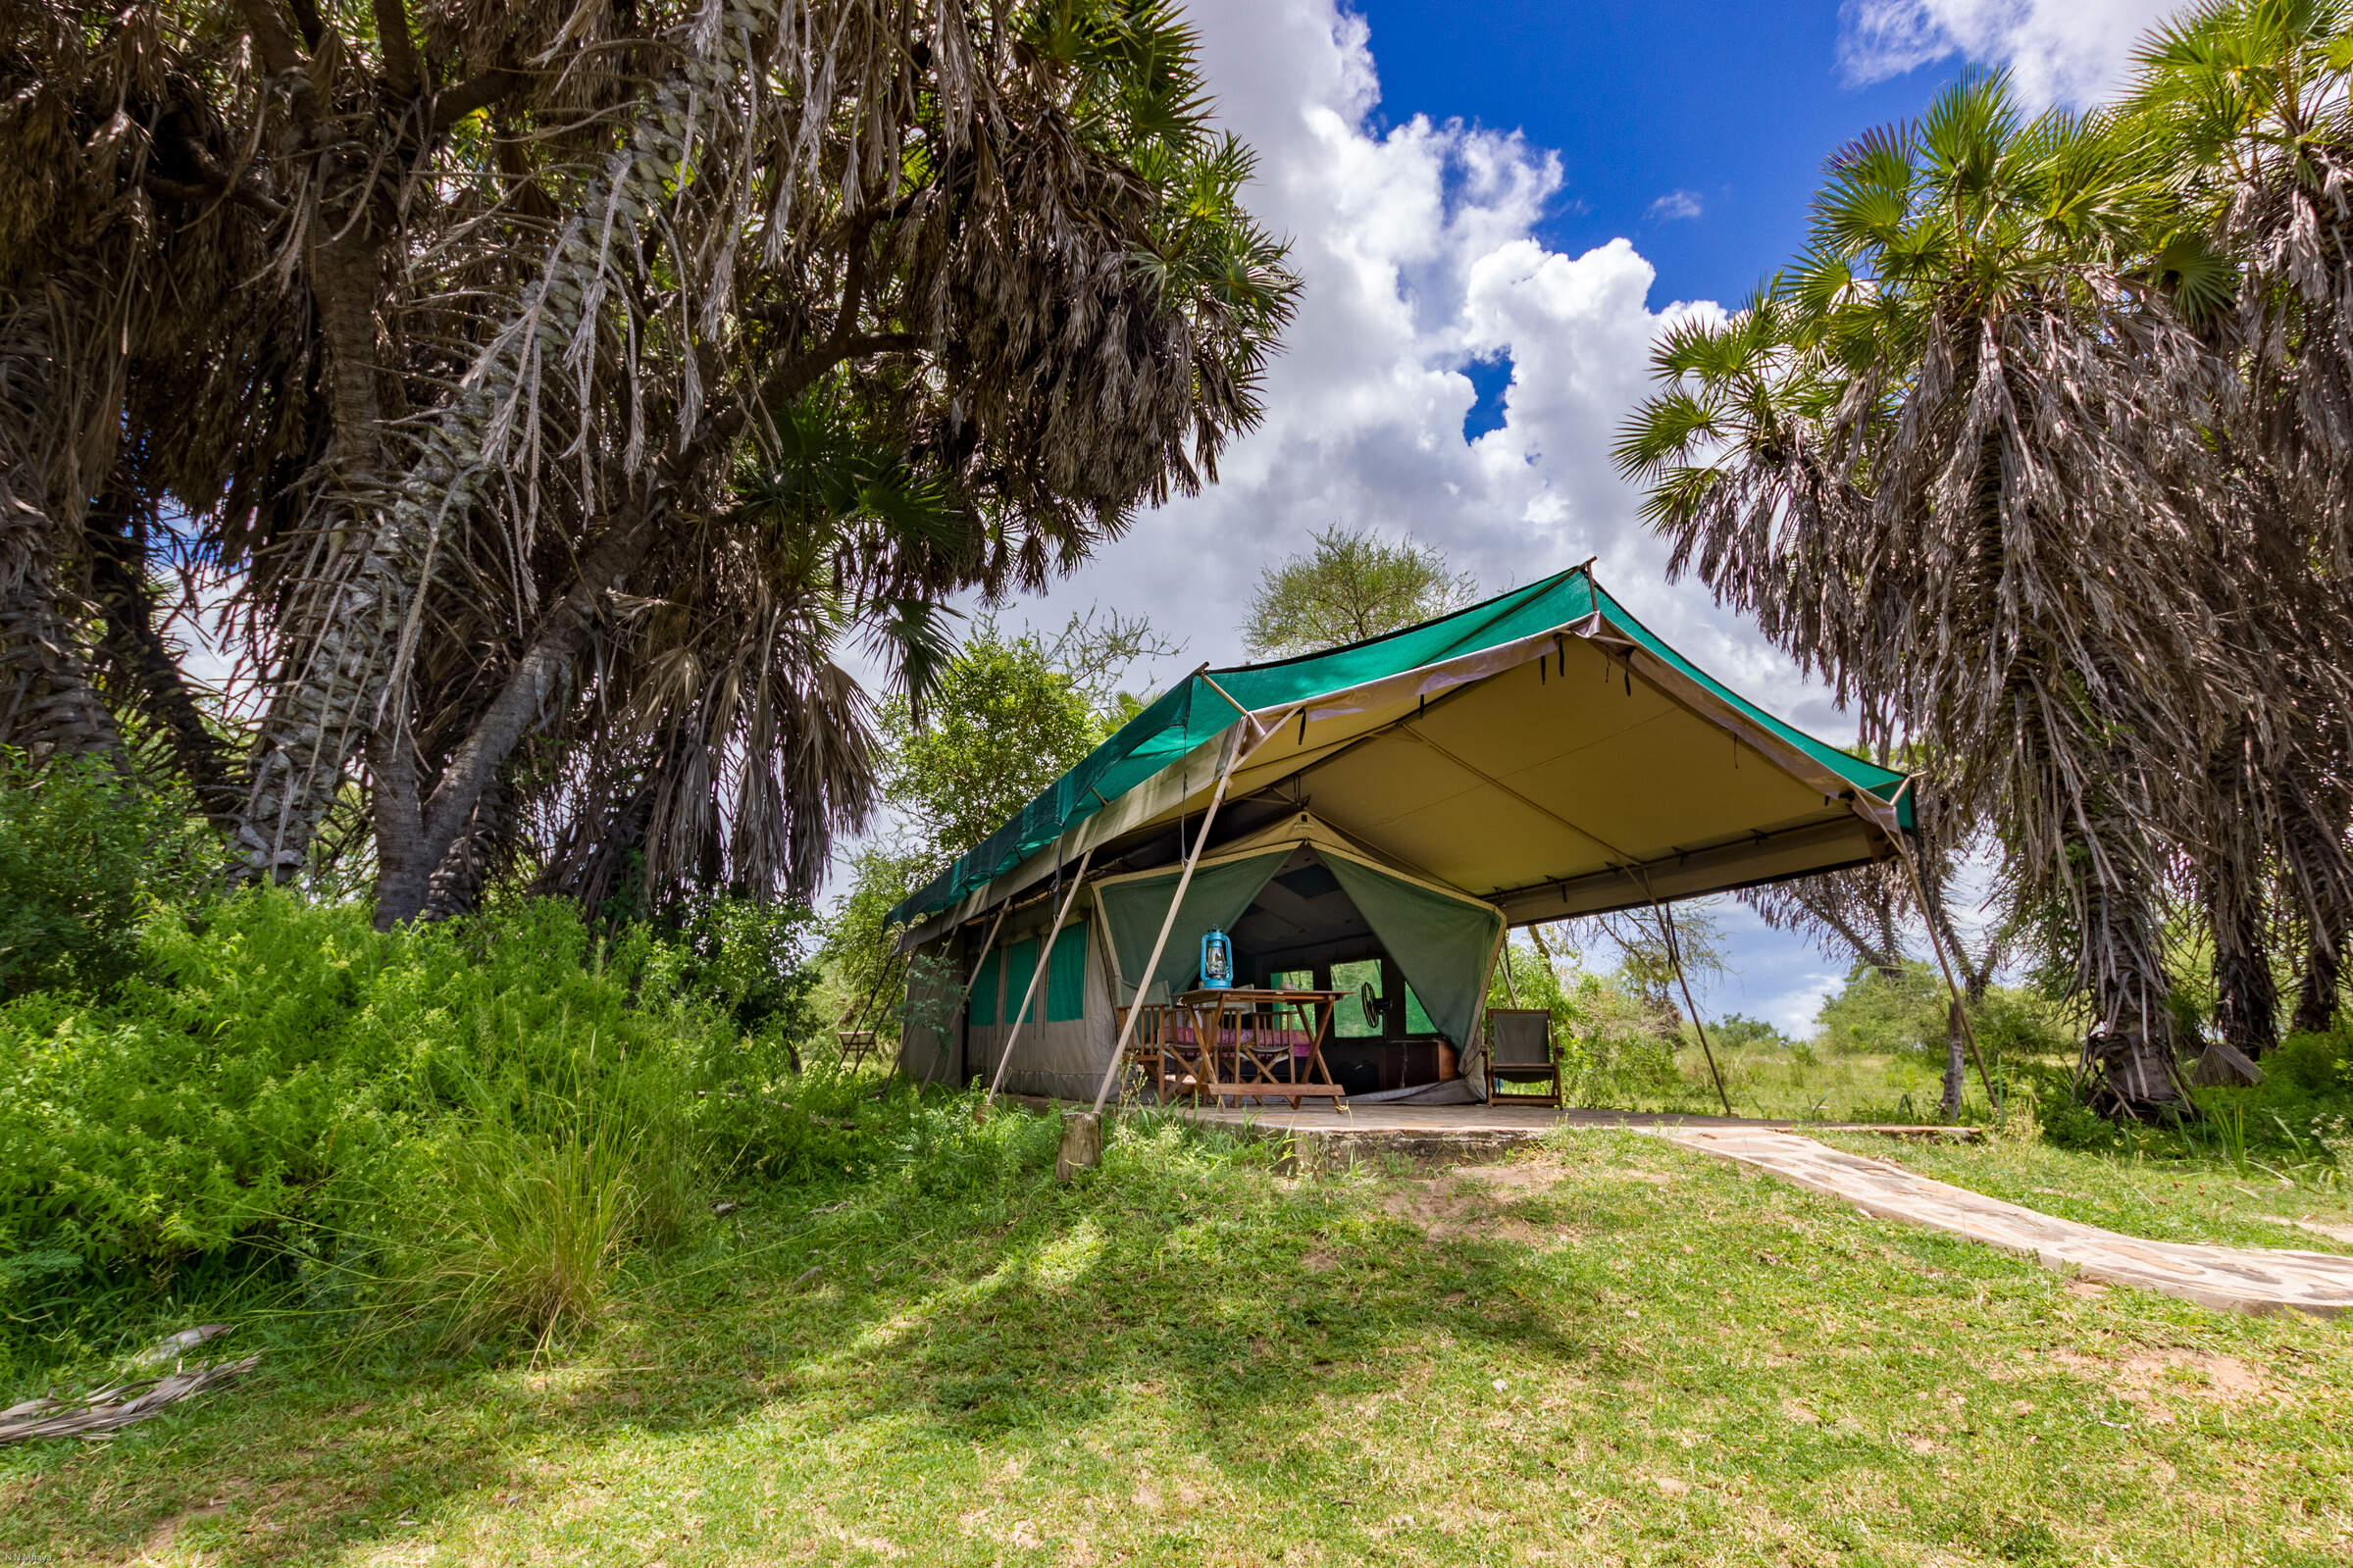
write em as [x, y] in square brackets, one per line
[1217, 960]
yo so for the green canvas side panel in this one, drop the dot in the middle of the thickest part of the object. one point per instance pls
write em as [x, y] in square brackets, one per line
[1440, 943]
[1133, 912]
[1021, 962]
[1066, 976]
[982, 1013]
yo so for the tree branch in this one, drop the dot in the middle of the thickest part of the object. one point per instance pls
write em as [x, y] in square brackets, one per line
[403, 72]
[246, 192]
[548, 661]
[270, 37]
[454, 103]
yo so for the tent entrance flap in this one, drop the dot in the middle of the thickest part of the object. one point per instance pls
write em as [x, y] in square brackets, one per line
[1296, 888]
[1440, 942]
[1132, 908]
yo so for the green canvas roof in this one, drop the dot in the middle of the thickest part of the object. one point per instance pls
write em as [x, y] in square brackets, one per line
[1476, 749]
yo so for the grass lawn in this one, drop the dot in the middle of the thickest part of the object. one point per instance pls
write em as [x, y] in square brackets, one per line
[1608, 1351]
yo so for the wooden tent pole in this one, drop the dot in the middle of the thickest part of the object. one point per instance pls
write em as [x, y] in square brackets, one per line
[1004, 910]
[1936, 944]
[1675, 958]
[980, 1112]
[1201, 842]
[1969, 1029]
[964, 1001]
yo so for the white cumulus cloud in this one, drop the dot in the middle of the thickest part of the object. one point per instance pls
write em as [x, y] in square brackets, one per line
[1419, 251]
[2059, 51]
[1675, 204]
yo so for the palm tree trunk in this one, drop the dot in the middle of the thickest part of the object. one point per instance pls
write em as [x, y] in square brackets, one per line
[339, 634]
[140, 666]
[2318, 997]
[47, 704]
[2315, 834]
[2130, 1053]
[350, 633]
[2228, 874]
[456, 884]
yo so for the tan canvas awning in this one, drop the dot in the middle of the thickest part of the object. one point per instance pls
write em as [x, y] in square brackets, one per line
[1578, 766]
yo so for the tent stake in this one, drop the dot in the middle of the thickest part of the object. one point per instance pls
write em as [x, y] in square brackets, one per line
[980, 1112]
[1201, 842]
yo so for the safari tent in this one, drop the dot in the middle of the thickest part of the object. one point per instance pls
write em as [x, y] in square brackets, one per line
[1371, 820]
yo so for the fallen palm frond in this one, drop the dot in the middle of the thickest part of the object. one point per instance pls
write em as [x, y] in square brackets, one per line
[121, 1404]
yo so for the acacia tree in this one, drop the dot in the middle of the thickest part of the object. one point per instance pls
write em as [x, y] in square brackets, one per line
[451, 327]
[1352, 584]
[1959, 460]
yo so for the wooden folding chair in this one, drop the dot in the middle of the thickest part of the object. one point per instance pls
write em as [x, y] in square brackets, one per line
[1519, 1050]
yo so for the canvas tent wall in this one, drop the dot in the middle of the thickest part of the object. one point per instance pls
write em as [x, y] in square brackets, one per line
[1442, 941]
[1061, 1049]
[1543, 752]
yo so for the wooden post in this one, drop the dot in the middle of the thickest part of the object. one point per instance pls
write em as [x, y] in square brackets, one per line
[1201, 842]
[1081, 1145]
[1969, 1029]
[1674, 956]
[980, 1112]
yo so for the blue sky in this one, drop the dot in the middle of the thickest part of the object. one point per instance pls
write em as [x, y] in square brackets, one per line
[1697, 138]
[1495, 210]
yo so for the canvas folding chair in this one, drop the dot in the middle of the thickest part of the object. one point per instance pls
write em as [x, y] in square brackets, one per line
[1519, 1050]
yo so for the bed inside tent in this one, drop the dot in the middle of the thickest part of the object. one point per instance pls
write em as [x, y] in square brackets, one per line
[1370, 820]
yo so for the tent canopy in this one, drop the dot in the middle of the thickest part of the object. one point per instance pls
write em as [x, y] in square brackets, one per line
[1440, 940]
[1542, 752]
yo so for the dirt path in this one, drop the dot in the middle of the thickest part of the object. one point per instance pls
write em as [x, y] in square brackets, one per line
[2230, 1278]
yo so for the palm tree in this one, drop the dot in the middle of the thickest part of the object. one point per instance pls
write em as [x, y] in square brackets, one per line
[1953, 462]
[2243, 103]
[475, 314]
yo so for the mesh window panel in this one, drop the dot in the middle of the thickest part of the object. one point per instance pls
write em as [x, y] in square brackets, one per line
[1350, 1021]
[982, 1014]
[1021, 962]
[1066, 976]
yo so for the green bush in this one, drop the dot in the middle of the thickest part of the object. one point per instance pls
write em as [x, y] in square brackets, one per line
[83, 855]
[1879, 1015]
[462, 1117]
[2314, 1064]
[1738, 1032]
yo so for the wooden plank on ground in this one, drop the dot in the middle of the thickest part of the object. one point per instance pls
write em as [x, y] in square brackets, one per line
[2232, 1278]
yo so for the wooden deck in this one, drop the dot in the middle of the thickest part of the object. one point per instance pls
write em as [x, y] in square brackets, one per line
[1516, 1121]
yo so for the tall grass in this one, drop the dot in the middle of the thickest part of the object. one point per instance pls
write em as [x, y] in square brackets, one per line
[526, 1233]
[465, 1127]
